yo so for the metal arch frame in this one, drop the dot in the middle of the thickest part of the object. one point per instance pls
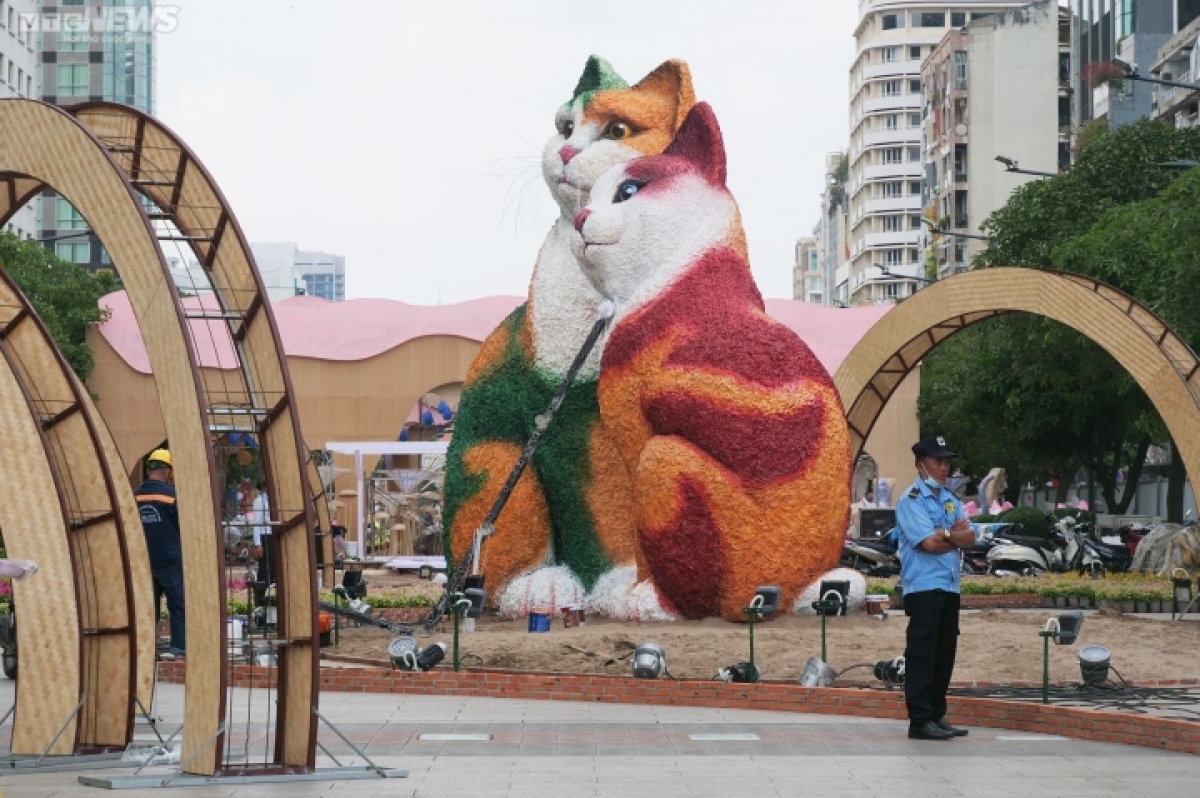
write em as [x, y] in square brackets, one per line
[1145, 345]
[41, 144]
[113, 601]
[163, 169]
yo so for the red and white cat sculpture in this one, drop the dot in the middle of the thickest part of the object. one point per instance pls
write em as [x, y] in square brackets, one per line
[732, 430]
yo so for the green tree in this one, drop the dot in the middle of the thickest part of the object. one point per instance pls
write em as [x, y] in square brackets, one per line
[1031, 385]
[63, 294]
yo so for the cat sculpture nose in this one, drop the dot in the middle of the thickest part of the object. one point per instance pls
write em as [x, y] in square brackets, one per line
[567, 153]
[580, 218]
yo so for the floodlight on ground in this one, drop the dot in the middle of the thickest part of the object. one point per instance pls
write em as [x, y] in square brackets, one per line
[649, 661]
[817, 674]
[402, 652]
[765, 604]
[890, 671]
[1094, 664]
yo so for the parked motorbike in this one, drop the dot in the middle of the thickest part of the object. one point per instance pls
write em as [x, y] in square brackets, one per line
[974, 559]
[870, 557]
[1108, 555]
[1066, 549]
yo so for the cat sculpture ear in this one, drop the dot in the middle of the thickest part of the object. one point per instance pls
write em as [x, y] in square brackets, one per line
[598, 75]
[699, 141]
[671, 79]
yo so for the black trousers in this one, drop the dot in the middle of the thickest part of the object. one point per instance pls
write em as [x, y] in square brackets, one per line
[265, 573]
[929, 652]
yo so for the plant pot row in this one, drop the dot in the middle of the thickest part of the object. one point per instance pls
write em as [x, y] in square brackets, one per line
[1087, 602]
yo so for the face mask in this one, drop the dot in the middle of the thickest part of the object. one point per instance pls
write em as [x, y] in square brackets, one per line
[929, 481]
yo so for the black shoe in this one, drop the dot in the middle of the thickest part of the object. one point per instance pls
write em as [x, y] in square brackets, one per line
[929, 731]
[957, 731]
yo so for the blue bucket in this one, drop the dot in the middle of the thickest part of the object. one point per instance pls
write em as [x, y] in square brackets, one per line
[539, 622]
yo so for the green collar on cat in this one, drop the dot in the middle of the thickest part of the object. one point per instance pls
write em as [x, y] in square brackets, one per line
[598, 75]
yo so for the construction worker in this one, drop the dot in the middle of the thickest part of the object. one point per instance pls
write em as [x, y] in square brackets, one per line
[160, 522]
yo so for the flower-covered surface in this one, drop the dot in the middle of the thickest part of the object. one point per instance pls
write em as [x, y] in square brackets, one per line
[572, 506]
[732, 430]
[854, 600]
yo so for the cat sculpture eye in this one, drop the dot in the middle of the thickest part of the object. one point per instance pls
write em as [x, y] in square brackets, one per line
[617, 131]
[627, 189]
[566, 128]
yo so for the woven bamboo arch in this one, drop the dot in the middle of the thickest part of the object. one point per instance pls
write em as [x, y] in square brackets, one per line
[103, 164]
[80, 523]
[1145, 346]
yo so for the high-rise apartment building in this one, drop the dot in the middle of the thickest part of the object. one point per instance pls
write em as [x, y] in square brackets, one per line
[1132, 31]
[885, 185]
[997, 87]
[93, 50]
[1178, 60]
[18, 78]
[287, 271]
[808, 280]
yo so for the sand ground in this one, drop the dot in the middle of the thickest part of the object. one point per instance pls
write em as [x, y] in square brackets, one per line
[996, 645]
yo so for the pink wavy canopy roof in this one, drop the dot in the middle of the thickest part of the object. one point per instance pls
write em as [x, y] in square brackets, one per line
[363, 328]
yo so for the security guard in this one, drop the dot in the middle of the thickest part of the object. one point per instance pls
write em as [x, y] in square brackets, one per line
[933, 527]
[160, 523]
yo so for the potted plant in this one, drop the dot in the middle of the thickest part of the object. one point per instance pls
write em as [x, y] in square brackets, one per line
[1128, 599]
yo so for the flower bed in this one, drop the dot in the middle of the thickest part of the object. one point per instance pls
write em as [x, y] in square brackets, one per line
[1119, 592]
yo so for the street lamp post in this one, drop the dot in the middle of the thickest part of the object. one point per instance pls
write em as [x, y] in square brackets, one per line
[1010, 165]
[1131, 73]
[933, 228]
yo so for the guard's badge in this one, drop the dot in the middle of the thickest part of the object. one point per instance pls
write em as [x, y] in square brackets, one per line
[941, 441]
[949, 507]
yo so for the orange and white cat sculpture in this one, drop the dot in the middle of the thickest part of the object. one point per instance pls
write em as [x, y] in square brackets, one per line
[732, 430]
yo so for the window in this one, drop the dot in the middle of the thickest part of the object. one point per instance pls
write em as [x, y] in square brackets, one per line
[68, 217]
[814, 261]
[890, 21]
[929, 19]
[890, 54]
[891, 122]
[958, 19]
[893, 257]
[893, 188]
[892, 224]
[2, 61]
[891, 88]
[914, 52]
[1064, 111]
[914, 86]
[814, 283]
[76, 252]
[914, 187]
[72, 80]
[106, 259]
[12, 73]
[960, 69]
[914, 119]
[893, 155]
[912, 256]
[29, 85]
[914, 222]
[891, 291]
[914, 154]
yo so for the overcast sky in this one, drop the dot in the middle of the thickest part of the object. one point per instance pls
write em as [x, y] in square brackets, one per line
[406, 135]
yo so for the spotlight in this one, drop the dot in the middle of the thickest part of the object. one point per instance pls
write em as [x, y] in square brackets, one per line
[649, 661]
[766, 600]
[402, 651]
[477, 597]
[1009, 162]
[353, 586]
[1093, 664]
[1181, 593]
[890, 671]
[817, 674]
[833, 605]
[739, 672]
[1063, 630]
[430, 656]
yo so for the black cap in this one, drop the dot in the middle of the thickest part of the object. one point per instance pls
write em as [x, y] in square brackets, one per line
[932, 447]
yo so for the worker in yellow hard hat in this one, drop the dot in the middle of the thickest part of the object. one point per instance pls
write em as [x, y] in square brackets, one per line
[160, 523]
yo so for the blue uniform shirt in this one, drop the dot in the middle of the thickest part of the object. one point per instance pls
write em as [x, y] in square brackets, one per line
[920, 511]
[160, 521]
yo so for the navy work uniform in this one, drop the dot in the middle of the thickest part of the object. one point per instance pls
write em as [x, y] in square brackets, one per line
[931, 594]
[160, 522]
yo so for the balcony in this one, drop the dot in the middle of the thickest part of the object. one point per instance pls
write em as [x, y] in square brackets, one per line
[891, 239]
[893, 171]
[892, 69]
[892, 205]
[896, 102]
[1168, 98]
[910, 135]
